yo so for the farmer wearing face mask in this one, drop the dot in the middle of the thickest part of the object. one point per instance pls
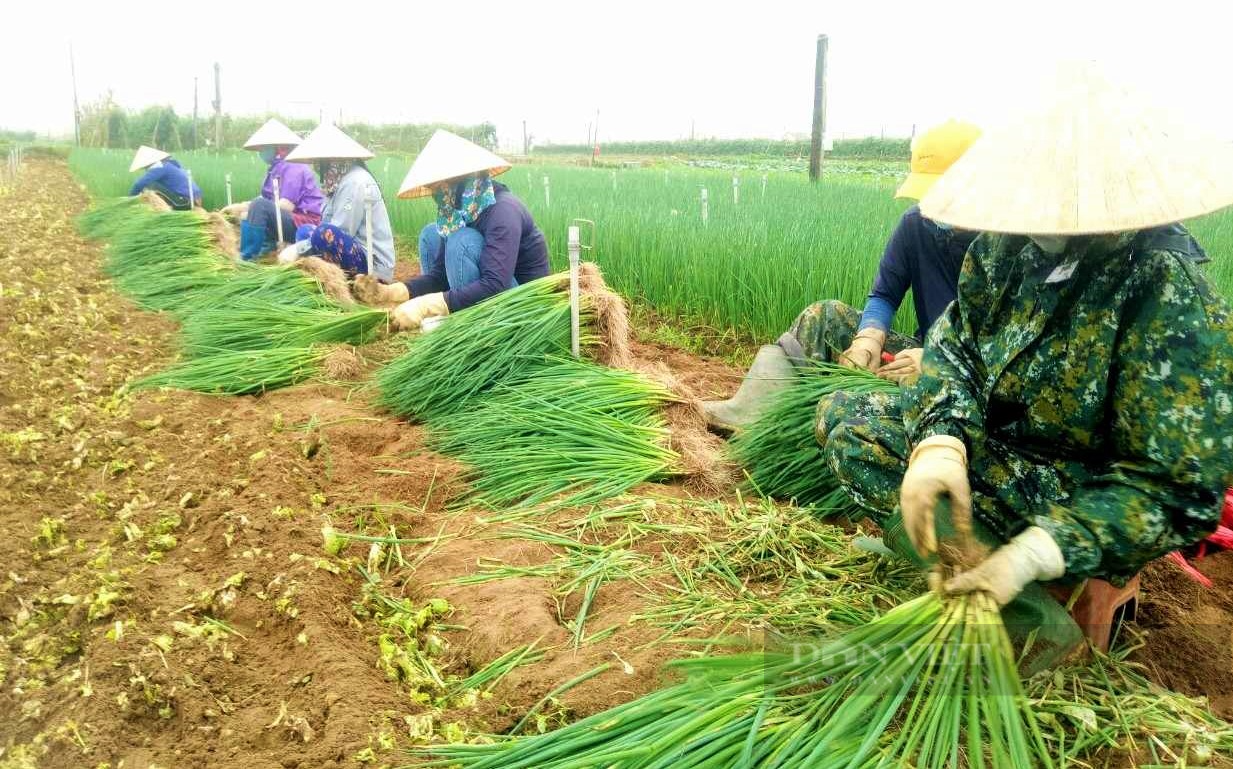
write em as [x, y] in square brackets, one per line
[483, 241]
[164, 177]
[1076, 400]
[922, 255]
[299, 198]
[351, 193]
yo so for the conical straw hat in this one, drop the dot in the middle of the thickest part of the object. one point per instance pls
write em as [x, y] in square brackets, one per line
[145, 157]
[1094, 158]
[448, 156]
[328, 142]
[272, 134]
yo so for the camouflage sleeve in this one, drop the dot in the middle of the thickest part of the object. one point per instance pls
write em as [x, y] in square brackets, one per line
[946, 397]
[1171, 420]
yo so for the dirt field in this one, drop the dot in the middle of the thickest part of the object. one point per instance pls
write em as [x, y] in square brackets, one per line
[164, 595]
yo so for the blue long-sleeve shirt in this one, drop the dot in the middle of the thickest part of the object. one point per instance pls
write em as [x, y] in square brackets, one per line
[513, 247]
[170, 175]
[923, 257]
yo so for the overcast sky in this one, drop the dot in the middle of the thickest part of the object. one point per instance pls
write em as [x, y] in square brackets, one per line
[650, 68]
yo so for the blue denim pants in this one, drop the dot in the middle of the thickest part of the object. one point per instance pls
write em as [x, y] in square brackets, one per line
[462, 255]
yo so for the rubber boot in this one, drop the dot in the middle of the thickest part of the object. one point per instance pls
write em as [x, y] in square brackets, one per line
[770, 373]
[252, 241]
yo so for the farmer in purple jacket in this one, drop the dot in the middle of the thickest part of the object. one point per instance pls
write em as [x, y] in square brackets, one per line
[299, 198]
[483, 241]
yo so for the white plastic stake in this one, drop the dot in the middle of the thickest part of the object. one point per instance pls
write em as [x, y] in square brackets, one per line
[191, 200]
[547, 193]
[387, 167]
[764, 186]
[278, 211]
[736, 190]
[575, 248]
[706, 213]
[227, 181]
[368, 228]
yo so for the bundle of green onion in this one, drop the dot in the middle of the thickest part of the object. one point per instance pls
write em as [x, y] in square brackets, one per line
[258, 283]
[108, 217]
[932, 683]
[255, 324]
[240, 372]
[780, 452]
[165, 259]
[568, 427]
[498, 340]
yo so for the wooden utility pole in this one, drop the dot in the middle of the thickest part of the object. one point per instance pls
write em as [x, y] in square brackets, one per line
[218, 109]
[819, 112]
[76, 109]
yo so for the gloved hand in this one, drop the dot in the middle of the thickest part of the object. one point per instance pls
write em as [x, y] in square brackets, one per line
[286, 205]
[374, 293]
[408, 315]
[289, 254]
[865, 352]
[905, 368]
[1029, 557]
[237, 211]
[938, 466]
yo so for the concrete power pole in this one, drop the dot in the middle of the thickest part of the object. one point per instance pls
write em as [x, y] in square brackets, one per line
[819, 112]
[76, 110]
[194, 113]
[218, 109]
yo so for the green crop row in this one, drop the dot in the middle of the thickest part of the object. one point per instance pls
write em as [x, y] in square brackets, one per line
[751, 266]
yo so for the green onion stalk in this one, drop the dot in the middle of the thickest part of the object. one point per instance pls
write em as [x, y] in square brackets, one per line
[108, 217]
[255, 324]
[273, 285]
[498, 340]
[780, 452]
[568, 428]
[932, 683]
[240, 372]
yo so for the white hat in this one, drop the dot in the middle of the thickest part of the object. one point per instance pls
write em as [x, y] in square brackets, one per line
[328, 142]
[272, 134]
[145, 157]
[1094, 158]
[447, 156]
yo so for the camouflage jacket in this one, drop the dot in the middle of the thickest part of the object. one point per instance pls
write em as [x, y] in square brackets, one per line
[1110, 365]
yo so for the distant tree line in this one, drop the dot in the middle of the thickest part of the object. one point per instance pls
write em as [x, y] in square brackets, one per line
[106, 124]
[869, 147]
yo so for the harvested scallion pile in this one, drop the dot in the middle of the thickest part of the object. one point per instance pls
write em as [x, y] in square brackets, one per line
[108, 217]
[240, 372]
[571, 427]
[780, 451]
[932, 683]
[255, 324]
[258, 282]
[498, 340]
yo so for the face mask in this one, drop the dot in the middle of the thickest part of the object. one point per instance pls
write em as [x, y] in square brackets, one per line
[1051, 244]
[267, 154]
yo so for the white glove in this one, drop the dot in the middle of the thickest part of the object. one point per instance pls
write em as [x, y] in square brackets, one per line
[904, 368]
[865, 352]
[237, 211]
[374, 293]
[411, 313]
[938, 466]
[289, 254]
[286, 205]
[1029, 557]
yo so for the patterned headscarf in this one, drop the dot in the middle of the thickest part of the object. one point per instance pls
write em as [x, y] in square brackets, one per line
[461, 204]
[331, 172]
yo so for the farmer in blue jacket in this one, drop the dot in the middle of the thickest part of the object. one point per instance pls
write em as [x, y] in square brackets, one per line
[164, 177]
[483, 241]
[922, 255]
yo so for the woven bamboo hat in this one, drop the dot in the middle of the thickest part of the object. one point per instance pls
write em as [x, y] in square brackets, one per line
[146, 157]
[447, 156]
[272, 134]
[328, 142]
[933, 152]
[1093, 158]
